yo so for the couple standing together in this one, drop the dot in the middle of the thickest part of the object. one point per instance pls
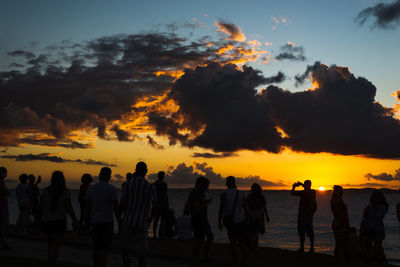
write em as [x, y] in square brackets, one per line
[132, 214]
[242, 216]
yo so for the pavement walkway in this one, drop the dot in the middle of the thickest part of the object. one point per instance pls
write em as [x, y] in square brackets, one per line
[74, 255]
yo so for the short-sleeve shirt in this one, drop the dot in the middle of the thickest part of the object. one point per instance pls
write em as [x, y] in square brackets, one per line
[102, 196]
[54, 211]
[230, 195]
[3, 197]
[138, 196]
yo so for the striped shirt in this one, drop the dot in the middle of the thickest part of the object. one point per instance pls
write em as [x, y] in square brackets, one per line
[137, 197]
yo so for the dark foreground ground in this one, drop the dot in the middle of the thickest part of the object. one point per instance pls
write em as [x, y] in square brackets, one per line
[31, 251]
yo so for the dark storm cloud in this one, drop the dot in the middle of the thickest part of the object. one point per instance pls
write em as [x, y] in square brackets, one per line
[186, 175]
[153, 142]
[55, 143]
[214, 155]
[290, 51]
[384, 176]
[56, 159]
[122, 135]
[340, 116]
[87, 86]
[222, 109]
[301, 78]
[22, 53]
[386, 15]
[278, 78]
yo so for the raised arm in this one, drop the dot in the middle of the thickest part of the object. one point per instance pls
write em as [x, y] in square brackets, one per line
[294, 192]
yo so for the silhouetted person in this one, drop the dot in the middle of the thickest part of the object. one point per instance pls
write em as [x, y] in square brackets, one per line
[161, 210]
[353, 245]
[4, 193]
[398, 210]
[34, 195]
[257, 207]
[102, 203]
[55, 204]
[183, 226]
[197, 205]
[86, 180]
[374, 228]
[129, 176]
[34, 192]
[340, 225]
[170, 224]
[231, 214]
[138, 198]
[307, 208]
[24, 204]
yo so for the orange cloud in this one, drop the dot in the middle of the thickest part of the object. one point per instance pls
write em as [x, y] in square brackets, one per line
[234, 32]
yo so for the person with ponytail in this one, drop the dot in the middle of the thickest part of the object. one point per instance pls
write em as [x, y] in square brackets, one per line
[55, 205]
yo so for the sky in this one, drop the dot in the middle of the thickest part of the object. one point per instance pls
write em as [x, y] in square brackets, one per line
[267, 91]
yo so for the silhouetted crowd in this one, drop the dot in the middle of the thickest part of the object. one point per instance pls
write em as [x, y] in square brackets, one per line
[143, 203]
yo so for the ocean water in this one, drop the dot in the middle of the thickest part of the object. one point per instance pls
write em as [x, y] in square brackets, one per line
[282, 207]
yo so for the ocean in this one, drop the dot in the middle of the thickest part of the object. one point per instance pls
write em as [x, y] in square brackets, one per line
[282, 207]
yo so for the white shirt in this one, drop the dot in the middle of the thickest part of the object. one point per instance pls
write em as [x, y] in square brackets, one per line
[59, 212]
[22, 193]
[183, 227]
[230, 195]
[102, 196]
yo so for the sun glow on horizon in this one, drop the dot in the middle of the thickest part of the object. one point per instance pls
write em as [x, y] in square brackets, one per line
[321, 188]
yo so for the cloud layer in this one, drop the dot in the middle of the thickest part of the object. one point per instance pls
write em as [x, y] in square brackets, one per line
[185, 175]
[292, 52]
[197, 93]
[56, 159]
[62, 96]
[385, 15]
[384, 176]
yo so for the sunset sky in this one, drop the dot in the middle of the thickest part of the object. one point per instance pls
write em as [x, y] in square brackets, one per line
[268, 91]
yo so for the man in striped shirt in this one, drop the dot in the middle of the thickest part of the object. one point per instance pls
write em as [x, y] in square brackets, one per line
[138, 198]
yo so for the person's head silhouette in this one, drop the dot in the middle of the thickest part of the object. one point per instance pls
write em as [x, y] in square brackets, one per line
[161, 175]
[57, 182]
[128, 176]
[3, 173]
[86, 178]
[256, 188]
[307, 184]
[23, 178]
[141, 169]
[202, 183]
[378, 198]
[105, 174]
[337, 191]
[230, 182]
